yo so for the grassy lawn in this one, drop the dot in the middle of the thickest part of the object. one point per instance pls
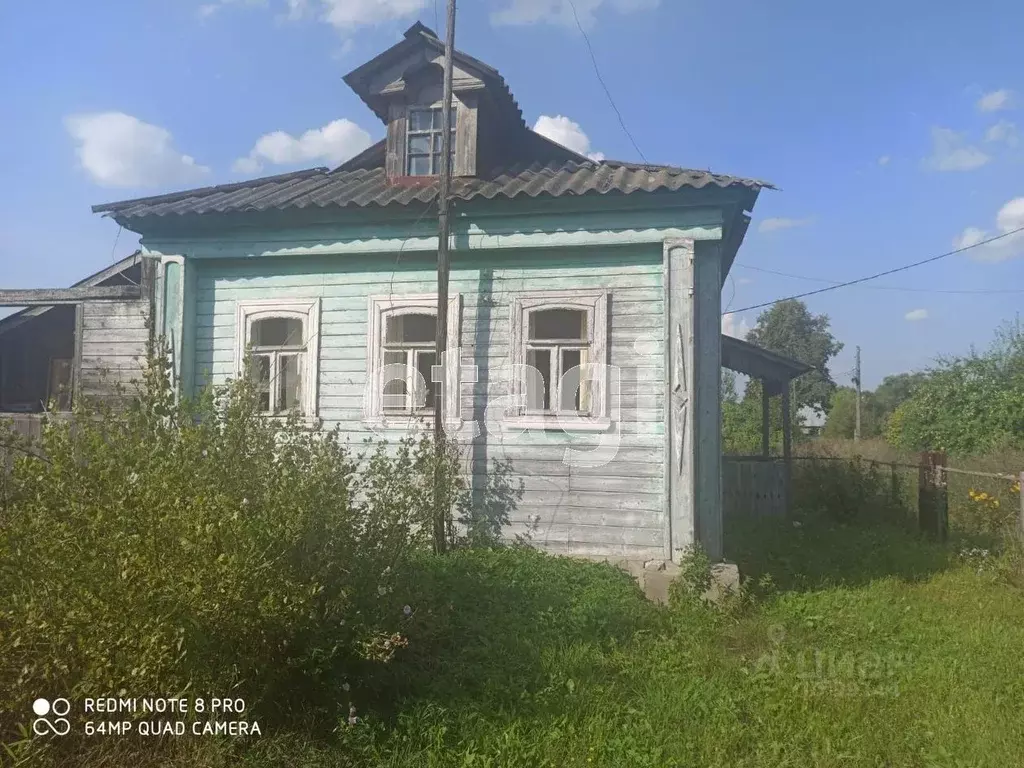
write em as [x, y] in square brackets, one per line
[873, 648]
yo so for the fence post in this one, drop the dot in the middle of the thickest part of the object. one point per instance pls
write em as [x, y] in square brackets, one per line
[1020, 519]
[894, 486]
[932, 501]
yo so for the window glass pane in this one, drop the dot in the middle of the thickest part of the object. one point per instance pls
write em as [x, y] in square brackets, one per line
[558, 324]
[426, 389]
[411, 329]
[436, 112]
[289, 383]
[419, 145]
[395, 389]
[538, 388]
[570, 395]
[420, 119]
[586, 382]
[260, 374]
[277, 332]
[419, 165]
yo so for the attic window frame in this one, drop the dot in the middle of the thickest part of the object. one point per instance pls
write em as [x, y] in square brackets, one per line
[410, 133]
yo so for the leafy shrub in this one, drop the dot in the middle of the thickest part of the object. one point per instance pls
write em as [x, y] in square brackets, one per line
[194, 546]
[845, 490]
[968, 405]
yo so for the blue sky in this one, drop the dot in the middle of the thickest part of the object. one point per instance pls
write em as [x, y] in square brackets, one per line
[891, 129]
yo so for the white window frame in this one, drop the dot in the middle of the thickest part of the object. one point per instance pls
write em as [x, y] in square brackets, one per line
[595, 303]
[306, 310]
[382, 307]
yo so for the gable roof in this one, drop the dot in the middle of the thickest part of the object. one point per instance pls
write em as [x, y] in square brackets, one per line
[421, 37]
[118, 269]
[363, 183]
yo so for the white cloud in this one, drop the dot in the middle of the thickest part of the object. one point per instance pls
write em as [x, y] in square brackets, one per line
[207, 10]
[1003, 132]
[564, 131]
[332, 144]
[995, 100]
[744, 280]
[1009, 218]
[344, 15]
[884, 160]
[118, 150]
[561, 11]
[347, 15]
[950, 152]
[915, 315]
[776, 223]
[735, 325]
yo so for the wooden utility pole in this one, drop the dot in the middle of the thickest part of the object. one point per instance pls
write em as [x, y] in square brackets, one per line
[441, 501]
[856, 381]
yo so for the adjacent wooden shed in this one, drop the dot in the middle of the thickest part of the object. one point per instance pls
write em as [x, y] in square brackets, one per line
[74, 342]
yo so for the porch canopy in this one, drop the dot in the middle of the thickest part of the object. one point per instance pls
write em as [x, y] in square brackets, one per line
[775, 372]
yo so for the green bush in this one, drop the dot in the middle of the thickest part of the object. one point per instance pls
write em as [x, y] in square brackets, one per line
[194, 547]
[968, 405]
[844, 490]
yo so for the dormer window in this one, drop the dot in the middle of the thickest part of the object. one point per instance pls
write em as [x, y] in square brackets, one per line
[423, 141]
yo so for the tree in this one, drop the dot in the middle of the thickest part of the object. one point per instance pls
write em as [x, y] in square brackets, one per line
[968, 404]
[842, 416]
[790, 329]
[896, 390]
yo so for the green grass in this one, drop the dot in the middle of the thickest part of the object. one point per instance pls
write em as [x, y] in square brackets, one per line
[874, 648]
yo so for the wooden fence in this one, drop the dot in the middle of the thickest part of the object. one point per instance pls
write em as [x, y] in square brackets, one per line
[753, 487]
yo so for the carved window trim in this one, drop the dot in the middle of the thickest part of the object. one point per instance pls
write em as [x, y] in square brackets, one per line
[595, 303]
[382, 307]
[247, 313]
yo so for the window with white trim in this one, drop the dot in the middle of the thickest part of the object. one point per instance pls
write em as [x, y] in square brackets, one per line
[402, 358]
[559, 351]
[281, 340]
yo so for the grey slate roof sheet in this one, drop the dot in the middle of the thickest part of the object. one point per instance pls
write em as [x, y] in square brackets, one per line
[362, 187]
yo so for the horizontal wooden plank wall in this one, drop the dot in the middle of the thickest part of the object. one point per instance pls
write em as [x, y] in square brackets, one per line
[615, 509]
[113, 345]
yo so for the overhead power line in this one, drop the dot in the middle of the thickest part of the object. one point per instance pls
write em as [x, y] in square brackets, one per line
[608, 93]
[881, 274]
[881, 287]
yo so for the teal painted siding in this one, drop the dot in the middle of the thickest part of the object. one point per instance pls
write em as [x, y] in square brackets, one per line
[616, 509]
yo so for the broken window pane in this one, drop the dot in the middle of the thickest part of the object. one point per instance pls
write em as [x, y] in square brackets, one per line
[551, 324]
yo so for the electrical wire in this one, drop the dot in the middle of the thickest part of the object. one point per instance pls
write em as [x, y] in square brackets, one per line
[600, 79]
[882, 287]
[881, 274]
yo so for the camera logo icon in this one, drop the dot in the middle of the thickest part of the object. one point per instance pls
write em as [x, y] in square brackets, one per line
[58, 725]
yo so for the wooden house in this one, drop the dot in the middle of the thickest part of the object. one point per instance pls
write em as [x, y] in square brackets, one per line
[584, 313]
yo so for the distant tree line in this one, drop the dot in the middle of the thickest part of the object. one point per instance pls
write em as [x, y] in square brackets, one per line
[962, 404]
